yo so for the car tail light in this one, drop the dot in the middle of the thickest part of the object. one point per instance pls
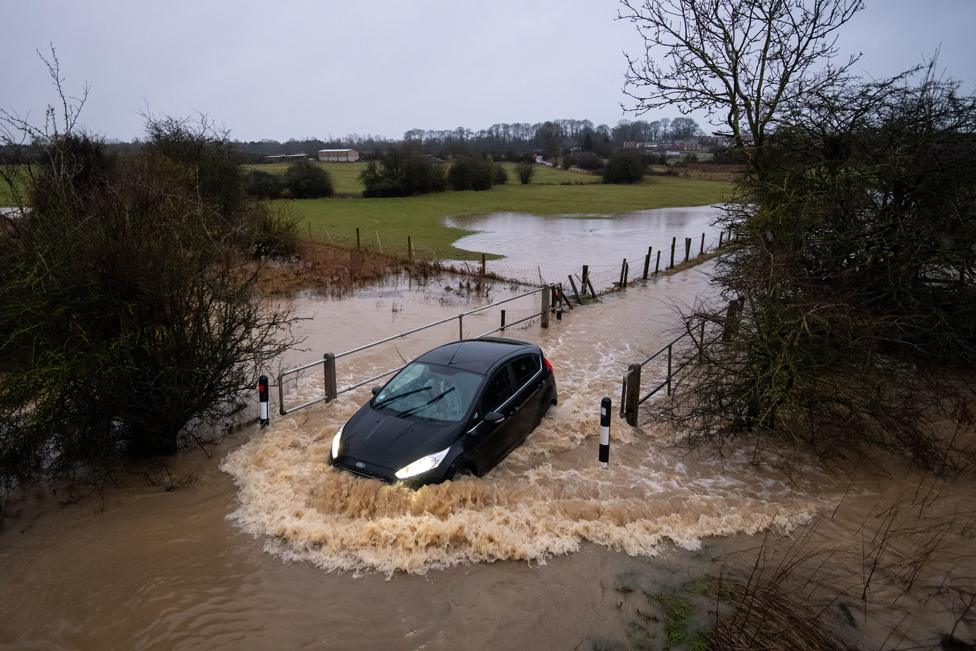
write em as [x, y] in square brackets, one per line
[548, 364]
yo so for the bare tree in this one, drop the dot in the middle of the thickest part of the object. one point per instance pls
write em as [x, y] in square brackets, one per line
[739, 59]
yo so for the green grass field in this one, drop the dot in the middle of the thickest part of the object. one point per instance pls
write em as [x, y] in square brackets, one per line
[345, 176]
[6, 192]
[422, 218]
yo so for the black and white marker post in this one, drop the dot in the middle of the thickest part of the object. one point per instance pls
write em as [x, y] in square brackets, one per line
[263, 399]
[605, 406]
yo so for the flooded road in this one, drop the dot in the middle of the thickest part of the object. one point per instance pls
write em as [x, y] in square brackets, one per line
[558, 245]
[269, 547]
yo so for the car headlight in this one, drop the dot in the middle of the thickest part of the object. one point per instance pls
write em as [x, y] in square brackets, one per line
[422, 465]
[335, 443]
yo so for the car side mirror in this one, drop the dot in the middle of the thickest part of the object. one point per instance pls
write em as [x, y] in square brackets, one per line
[376, 390]
[494, 417]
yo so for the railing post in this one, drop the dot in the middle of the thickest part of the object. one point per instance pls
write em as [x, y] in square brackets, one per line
[633, 394]
[647, 262]
[281, 396]
[263, 400]
[545, 306]
[329, 367]
[669, 369]
[605, 407]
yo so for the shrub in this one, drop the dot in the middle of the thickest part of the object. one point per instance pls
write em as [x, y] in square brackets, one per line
[306, 180]
[525, 171]
[262, 185]
[500, 175]
[124, 313]
[270, 232]
[623, 168]
[470, 174]
[402, 173]
[587, 160]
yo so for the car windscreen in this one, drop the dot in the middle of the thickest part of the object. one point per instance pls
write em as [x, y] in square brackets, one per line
[430, 391]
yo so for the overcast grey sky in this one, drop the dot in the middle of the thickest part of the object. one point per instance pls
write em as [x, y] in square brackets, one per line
[298, 68]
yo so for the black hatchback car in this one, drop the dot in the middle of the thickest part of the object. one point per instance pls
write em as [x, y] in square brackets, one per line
[458, 409]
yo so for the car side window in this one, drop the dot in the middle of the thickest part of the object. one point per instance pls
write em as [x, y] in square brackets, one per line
[525, 367]
[500, 388]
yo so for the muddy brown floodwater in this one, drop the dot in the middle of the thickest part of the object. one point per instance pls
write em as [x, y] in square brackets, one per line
[269, 547]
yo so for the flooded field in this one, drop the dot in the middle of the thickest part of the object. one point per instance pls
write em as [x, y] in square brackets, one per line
[266, 546]
[557, 246]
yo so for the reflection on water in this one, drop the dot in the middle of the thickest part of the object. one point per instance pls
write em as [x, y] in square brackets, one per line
[557, 246]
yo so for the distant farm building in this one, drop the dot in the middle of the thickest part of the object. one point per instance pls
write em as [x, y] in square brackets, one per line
[338, 155]
[281, 158]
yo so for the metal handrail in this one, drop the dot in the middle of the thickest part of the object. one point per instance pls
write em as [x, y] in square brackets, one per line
[460, 318]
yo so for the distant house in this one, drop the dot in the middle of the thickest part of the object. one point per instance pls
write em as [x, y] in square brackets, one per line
[338, 155]
[281, 158]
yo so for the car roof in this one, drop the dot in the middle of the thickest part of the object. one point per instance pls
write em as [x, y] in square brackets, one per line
[477, 355]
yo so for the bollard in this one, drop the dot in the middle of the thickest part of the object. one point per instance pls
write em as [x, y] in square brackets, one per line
[329, 367]
[263, 400]
[673, 241]
[632, 394]
[605, 406]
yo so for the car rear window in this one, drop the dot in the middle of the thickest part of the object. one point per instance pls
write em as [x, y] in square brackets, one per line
[525, 367]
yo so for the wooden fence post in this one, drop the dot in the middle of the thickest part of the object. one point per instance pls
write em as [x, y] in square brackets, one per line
[632, 396]
[657, 265]
[409, 248]
[484, 265]
[329, 368]
[701, 249]
[572, 283]
[732, 319]
[586, 277]
[687, 248]
[545, 306]
[647, 262]
[673, 241]
[357, 239]
[623, 274]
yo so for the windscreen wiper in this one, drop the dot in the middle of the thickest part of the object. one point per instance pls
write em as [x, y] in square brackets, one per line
[426, 404]
[387, 401]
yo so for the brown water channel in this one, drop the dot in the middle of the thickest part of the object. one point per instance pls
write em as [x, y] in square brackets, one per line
[269, 547]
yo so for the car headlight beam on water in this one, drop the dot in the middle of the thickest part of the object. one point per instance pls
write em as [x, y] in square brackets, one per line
[336, 440]
[422, 465]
